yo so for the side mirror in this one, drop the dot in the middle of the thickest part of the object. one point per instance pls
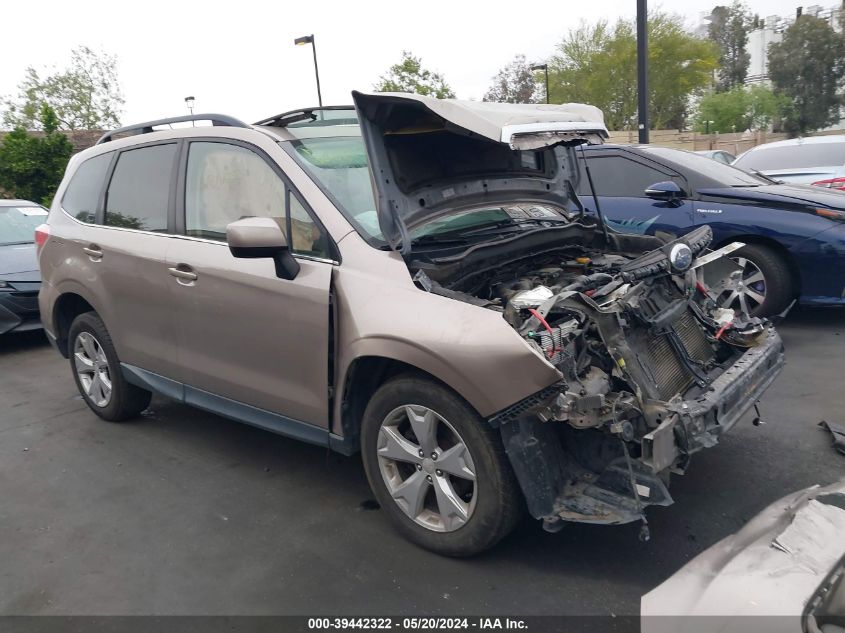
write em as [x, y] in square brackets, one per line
[262, 237]
[666, 191]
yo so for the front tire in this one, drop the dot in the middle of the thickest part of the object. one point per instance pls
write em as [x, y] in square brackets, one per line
[437, 468]
[764, 287]
[96, 370]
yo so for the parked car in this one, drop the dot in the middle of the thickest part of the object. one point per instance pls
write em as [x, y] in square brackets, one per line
[719, 155]
[783, 572]
[814, 160]
[483, 348]
[19, 276]
[794, 235]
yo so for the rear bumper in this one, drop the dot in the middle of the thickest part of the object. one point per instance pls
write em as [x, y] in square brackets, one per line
[698, 422]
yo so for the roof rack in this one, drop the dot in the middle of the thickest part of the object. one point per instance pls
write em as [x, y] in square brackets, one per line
[147, 127]
[303, 114]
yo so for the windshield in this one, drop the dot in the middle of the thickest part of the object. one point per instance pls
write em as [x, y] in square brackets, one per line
[17, 224]
[798, 156]
[339, 165]
[724, 175]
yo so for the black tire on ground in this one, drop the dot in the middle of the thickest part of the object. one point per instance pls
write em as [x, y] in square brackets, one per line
[499, 503]
[127, 400]
[780, 284]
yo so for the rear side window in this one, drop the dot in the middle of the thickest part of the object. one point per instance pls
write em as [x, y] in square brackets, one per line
[139, 190]
[83, 191]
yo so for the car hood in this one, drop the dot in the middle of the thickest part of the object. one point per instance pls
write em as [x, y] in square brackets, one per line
[429, 156]
[771, 567]
[18, 262]
[785, 194]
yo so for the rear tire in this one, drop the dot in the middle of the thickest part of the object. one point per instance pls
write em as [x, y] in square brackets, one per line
[96, 370]
[460, 503]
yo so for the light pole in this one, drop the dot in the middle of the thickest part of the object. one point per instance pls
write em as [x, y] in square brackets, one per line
[642, 70]
[189, 101]
[309, 39]
[544, 68]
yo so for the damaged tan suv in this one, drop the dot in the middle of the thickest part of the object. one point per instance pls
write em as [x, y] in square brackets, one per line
[412, 278]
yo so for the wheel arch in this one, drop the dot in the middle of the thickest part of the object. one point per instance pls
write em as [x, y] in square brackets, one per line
[68, 306]
[364, 375]
[776, 246]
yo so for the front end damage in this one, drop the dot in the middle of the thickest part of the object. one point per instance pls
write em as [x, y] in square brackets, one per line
[652, 372]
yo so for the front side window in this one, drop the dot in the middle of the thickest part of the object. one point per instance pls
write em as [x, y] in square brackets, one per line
[83, 192]
[139, 190]
[618, 177]
[227, 182]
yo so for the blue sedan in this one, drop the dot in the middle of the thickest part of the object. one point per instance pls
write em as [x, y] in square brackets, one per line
[794, 235]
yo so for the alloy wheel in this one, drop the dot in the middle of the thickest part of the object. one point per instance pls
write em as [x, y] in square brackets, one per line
[744, 290]
[92, 368]
[427, 468]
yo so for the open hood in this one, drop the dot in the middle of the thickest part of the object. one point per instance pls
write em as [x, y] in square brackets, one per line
[430, 156]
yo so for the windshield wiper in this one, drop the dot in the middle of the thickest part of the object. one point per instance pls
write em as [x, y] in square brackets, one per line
[16, 243]
[492, 229]
[432, 238]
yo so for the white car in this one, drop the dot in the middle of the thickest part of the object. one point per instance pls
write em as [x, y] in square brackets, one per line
[783, 572]
[814, 160]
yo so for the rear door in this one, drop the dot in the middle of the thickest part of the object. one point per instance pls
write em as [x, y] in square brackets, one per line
[122, 255]
[620, 179]
[244, 335]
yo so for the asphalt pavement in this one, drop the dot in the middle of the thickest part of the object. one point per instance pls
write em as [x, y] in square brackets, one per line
[184, 512]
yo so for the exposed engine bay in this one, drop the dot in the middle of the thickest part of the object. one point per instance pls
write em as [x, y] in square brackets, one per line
[651, 369]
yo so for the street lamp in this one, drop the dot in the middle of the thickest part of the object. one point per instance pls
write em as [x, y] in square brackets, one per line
[189, 101]
[309, 39]
[642, 70]
[544, 68]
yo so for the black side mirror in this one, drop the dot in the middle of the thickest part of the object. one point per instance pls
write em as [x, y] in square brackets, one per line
[667, 191]
[262, 237]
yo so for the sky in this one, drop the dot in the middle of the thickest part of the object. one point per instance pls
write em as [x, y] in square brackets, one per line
[238, 57]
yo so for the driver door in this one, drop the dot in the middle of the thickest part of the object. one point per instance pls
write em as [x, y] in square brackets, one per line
[244, 336]
[620, 181]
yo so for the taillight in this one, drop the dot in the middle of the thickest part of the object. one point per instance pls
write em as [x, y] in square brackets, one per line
[42, 233]
[831, 183]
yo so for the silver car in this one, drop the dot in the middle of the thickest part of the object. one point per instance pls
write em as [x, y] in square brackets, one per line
[814, 160]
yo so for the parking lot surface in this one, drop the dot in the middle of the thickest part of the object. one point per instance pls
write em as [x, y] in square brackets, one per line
[183, 512]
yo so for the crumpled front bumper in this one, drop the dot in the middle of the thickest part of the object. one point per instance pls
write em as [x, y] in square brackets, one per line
[698, 422]
[557, 487]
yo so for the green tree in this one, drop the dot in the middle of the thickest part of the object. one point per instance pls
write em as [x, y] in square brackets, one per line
[729, 28]
[808, 67]
[597, 64]
[739, 109]
[31, 166]
[84, 96]
[409, 76]
[515, 83]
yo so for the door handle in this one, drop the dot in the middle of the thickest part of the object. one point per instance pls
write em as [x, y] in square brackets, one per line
[93, 251]
[183, 274]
